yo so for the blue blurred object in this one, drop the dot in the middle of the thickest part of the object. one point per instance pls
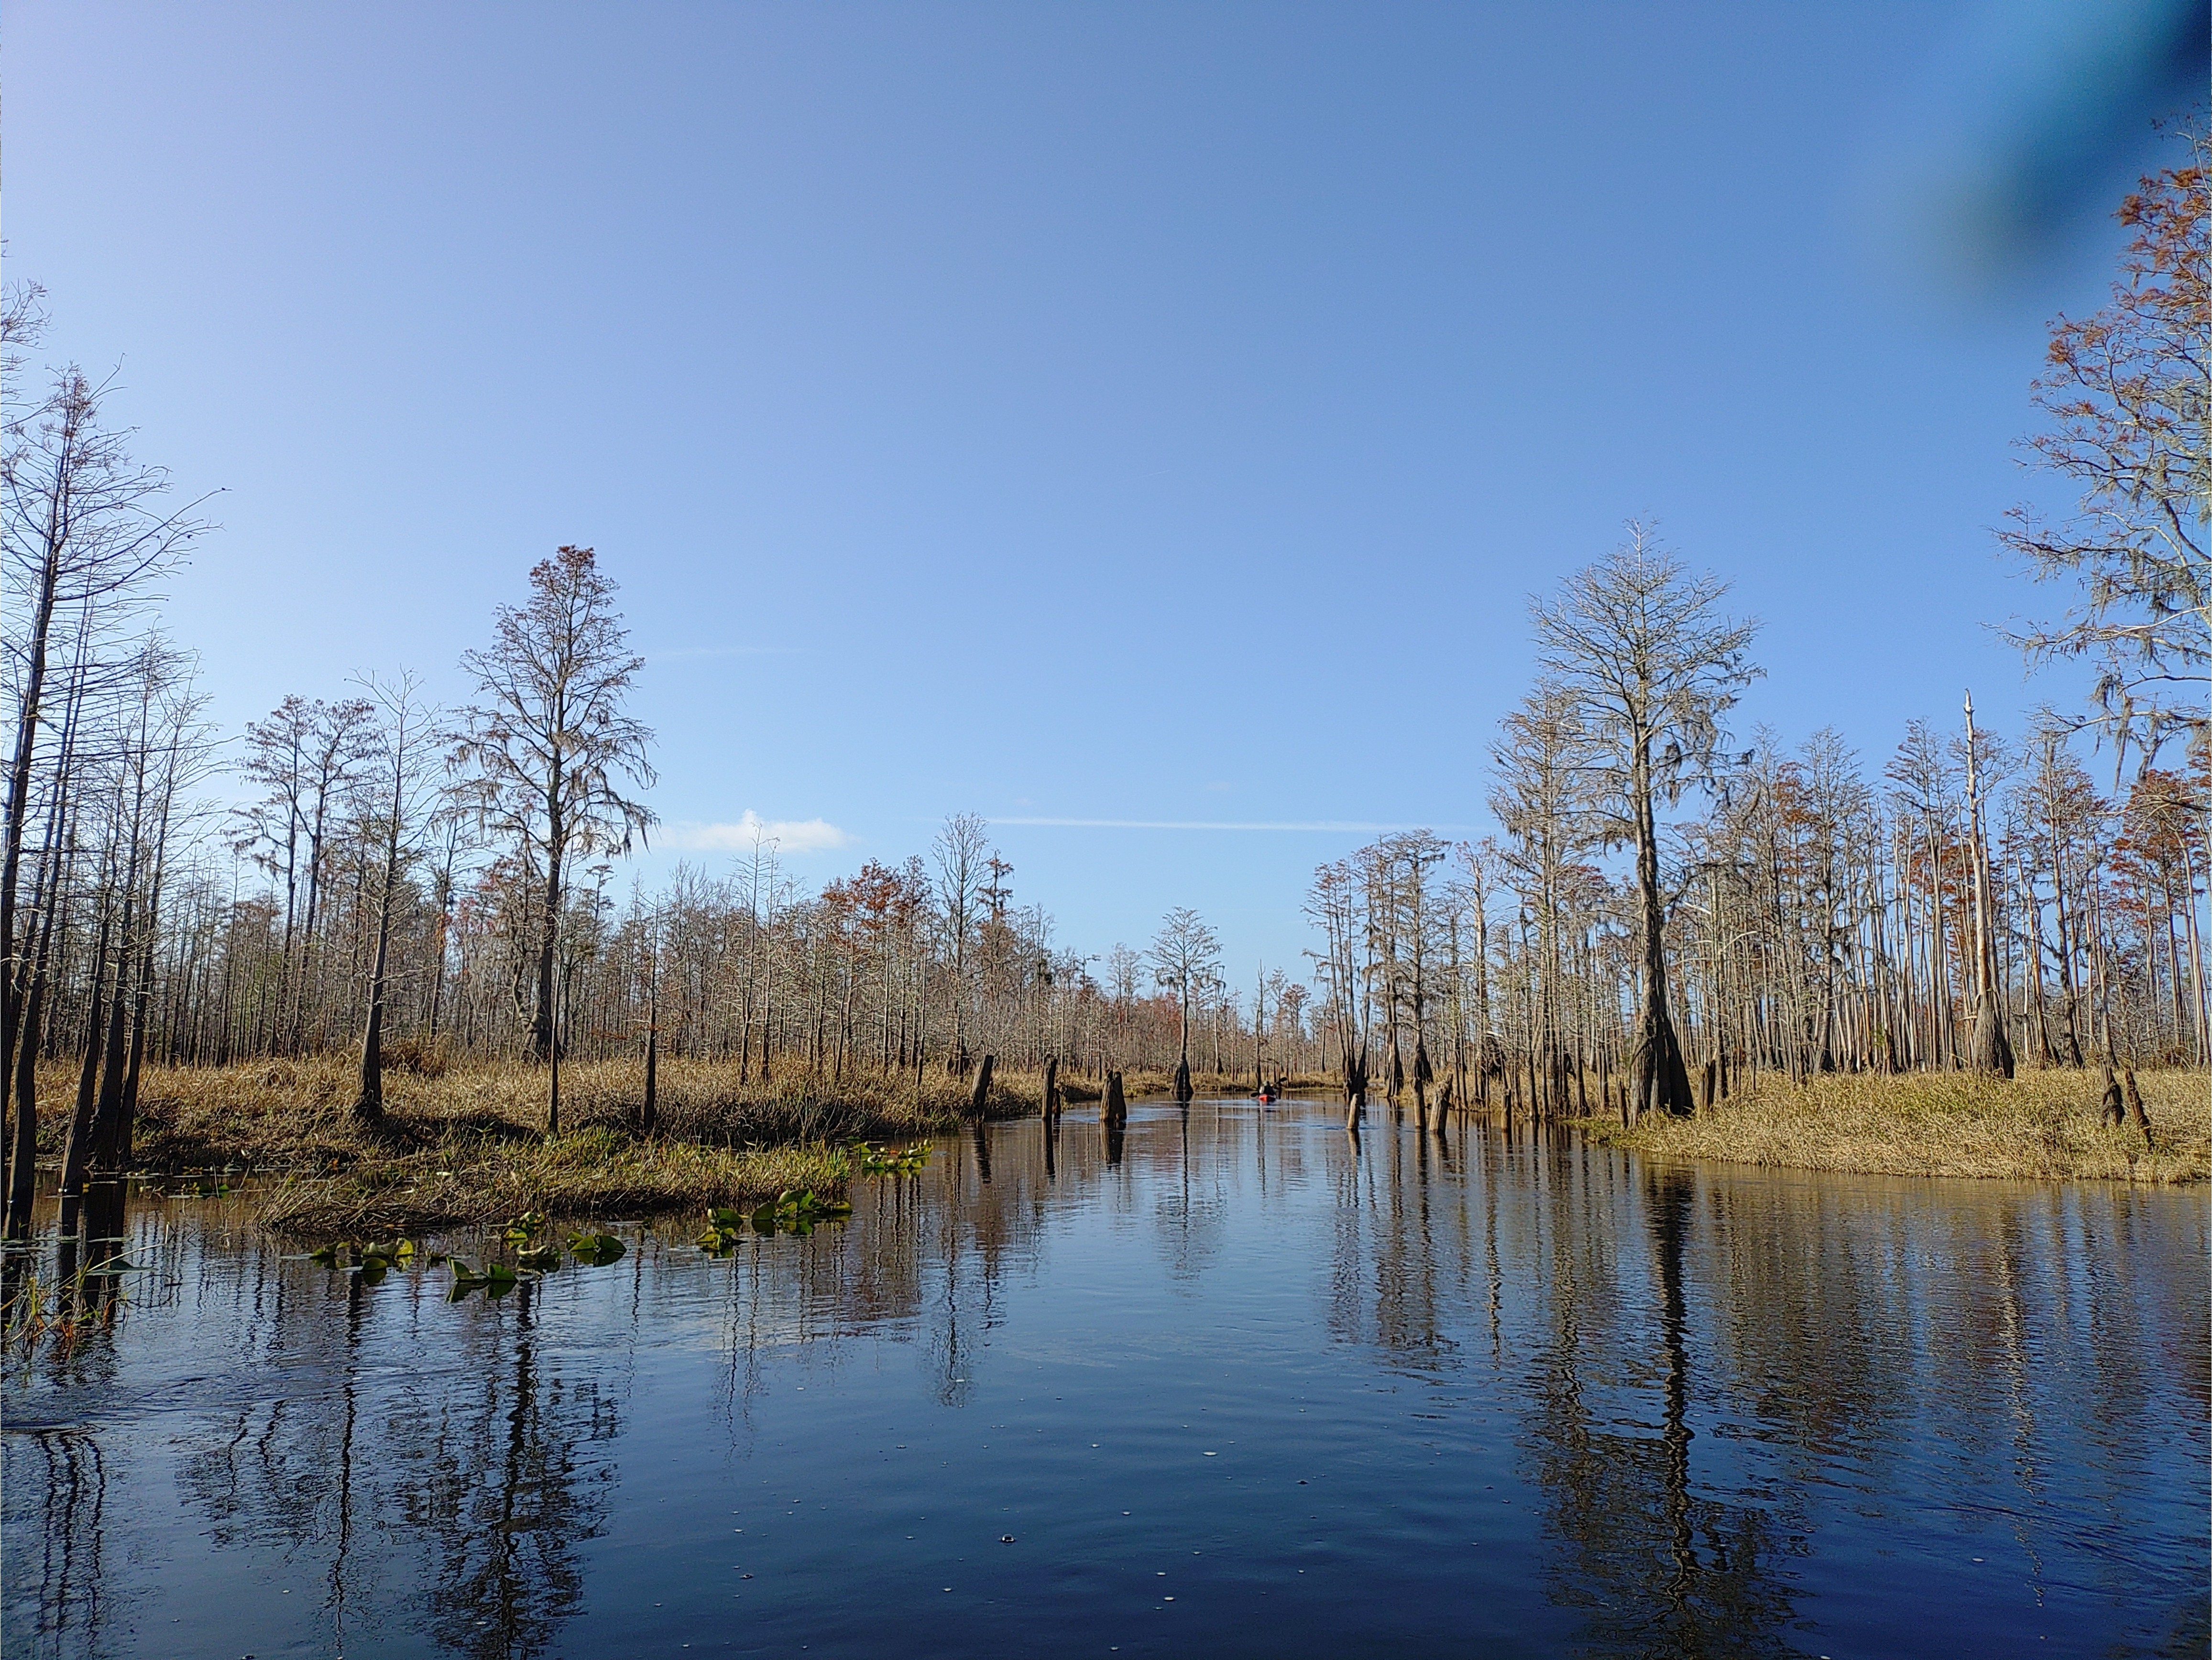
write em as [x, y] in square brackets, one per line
[2025, 124]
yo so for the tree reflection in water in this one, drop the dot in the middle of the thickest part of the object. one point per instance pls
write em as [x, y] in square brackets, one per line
[1692, 1379]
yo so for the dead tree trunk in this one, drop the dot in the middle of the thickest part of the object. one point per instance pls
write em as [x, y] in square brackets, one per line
[980, 1097]
[2136, 1116]
[2111, 1107]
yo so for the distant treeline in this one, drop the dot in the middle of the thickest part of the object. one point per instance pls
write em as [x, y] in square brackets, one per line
[1661, 904]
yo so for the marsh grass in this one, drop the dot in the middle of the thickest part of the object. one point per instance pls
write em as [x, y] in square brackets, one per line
[465, 1145]
[2042, 1126]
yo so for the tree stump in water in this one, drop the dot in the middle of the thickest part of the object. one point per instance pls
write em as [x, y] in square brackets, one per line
[982, 1094]
[1052, 1086]
[1114, 1111]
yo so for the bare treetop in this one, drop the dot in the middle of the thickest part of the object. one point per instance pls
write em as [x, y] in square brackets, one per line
[548, 748]
[548, 741]
[1644, 662]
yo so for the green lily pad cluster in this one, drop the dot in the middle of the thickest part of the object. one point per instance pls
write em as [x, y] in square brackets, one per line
[372, 1262]
[875, 1160]
[793, 1211]
[494, 1278]
[596, 1249]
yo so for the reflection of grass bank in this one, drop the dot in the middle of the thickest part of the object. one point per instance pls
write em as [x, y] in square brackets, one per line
[2042, 1126]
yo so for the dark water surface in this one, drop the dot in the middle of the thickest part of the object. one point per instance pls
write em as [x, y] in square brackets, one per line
[1237, 1391]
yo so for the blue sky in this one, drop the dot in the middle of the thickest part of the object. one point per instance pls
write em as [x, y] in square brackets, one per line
[1154, 415]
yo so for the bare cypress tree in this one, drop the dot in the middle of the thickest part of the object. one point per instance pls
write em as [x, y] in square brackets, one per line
[962, 851]
[80, 530]
[548, 746]
[1989, 1050]
[396, 812]
[1186, 960]
[1647, 667]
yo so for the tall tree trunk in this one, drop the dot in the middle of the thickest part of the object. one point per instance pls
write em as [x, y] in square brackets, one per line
[1662, 1080]
[76, 1145]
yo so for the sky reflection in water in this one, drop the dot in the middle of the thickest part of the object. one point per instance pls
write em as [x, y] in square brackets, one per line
[1227, 1388]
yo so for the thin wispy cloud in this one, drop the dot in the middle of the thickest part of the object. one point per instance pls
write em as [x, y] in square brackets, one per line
[1332, 826]
[789, 834]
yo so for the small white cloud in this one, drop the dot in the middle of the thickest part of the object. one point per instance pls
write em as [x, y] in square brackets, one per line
[789, 834]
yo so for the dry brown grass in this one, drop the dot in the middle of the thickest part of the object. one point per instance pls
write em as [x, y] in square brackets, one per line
[2042, 1126]
[593, 1174]
[466, 1145]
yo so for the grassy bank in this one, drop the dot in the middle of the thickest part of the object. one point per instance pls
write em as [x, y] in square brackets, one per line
[2042, 1126]
[467, 1144]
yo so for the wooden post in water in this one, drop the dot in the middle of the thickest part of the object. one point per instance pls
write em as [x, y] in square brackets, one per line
[1113, 1115]
[1052, 1086]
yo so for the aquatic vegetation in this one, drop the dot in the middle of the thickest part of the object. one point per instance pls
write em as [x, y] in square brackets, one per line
[872, 1158]
[598, 1249]
[793, 1211]
[494, 1281]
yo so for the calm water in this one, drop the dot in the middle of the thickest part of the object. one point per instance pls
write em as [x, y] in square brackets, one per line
[1228, 1388]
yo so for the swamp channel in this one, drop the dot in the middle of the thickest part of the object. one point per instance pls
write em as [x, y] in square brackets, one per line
[1232, 1383]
